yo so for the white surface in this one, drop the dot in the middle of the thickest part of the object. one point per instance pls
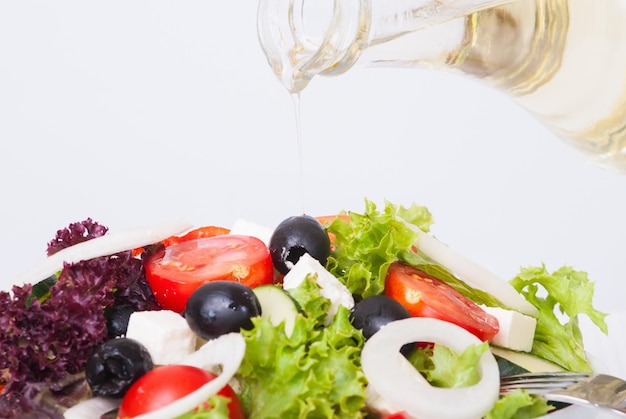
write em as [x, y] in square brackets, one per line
[134, 113]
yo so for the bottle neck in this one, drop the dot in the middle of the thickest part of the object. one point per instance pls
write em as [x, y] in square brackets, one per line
[303, 39]
[394, 18]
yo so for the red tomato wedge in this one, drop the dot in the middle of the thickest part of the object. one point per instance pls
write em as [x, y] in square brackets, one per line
[166, 384]
[426, 296]
[177, 271]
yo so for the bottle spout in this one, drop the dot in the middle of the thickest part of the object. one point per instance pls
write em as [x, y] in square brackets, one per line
[302, 39]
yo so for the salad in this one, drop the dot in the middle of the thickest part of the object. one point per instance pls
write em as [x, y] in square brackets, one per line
[359, 314]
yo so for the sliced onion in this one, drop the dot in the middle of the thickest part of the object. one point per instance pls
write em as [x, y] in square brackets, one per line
[225, 352]
[101, 246]
[91, 408]
[402, 386]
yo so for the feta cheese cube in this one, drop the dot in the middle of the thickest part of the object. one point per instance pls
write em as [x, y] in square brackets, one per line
[165, 334]
[331, 287]
[248, 228]
[517, 330]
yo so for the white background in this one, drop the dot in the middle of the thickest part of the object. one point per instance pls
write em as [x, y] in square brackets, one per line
[137, 112]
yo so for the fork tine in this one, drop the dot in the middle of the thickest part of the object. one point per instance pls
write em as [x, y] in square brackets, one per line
[544, 376]
[540, 382]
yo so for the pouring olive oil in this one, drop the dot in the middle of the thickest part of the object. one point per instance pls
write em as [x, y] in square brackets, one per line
[562, 60]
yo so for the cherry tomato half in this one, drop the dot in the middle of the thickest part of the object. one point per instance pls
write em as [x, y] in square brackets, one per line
[177, 271]
[426, 296]
[164, 385]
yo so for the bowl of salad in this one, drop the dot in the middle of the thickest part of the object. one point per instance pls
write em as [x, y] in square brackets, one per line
[358, 314]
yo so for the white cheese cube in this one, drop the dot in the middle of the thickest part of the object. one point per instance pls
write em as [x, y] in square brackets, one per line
[331, 287]
[165, 334]
[517, 330]
[247, 228]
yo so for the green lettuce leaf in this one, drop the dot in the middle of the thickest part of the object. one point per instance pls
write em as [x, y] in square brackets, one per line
[443, 367]
[561, 297]
[311, 303]
[519, 405]
[314, 373]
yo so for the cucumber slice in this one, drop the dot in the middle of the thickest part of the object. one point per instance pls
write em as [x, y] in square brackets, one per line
[506, 367]
[277, 305]
[513, 362]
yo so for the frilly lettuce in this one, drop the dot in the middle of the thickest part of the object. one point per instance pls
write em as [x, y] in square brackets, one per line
[366, 246]
[313, 373]
[519, 405]
[443, 367]
[570, 292]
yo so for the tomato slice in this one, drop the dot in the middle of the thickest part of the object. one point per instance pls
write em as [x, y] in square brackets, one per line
[175, 272]
[164, 385]
[424, 295]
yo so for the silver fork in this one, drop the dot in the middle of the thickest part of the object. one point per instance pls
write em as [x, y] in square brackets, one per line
[600, 390]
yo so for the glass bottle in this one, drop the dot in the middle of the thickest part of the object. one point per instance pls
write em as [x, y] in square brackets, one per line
[562, 60]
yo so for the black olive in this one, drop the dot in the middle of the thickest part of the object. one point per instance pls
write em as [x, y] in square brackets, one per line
[221, 307]
[115, 366]
[117, 319]
[296, 236]
[372, 313]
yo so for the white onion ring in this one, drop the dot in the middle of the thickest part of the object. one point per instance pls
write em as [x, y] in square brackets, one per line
[91, 408]
[402, 386]
[227, 351]
[100, 246]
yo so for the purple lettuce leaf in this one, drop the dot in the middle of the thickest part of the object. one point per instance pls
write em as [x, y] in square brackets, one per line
[44, 341]
[75, 233]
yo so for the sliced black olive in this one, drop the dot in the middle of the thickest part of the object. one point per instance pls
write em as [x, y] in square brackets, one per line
[372, 313]
[115, 366]
[296, 236]
[221, 307]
